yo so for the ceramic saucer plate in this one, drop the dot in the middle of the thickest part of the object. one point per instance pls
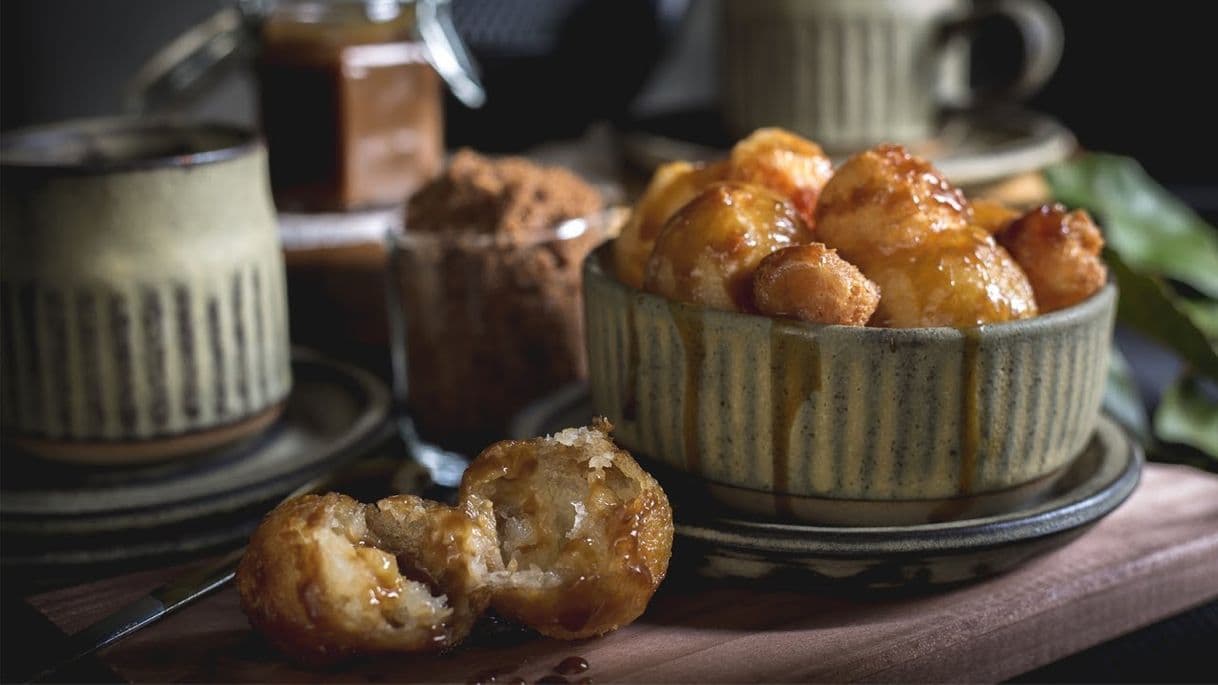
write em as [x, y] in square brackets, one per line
[719, 543]
[972, 149]
[54, 513]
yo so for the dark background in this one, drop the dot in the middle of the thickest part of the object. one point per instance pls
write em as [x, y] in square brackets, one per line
[1134, 79]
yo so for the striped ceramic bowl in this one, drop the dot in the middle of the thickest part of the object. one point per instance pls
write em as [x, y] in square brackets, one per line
[823, 422]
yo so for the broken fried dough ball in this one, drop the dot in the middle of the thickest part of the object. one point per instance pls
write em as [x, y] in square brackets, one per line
[671, 187]
[584, 532]
[708, 251]
[586, 535]
[883, 200]
[811, 283]
[1060, 252]
[322, 585]
[958, 278]
[792, 166]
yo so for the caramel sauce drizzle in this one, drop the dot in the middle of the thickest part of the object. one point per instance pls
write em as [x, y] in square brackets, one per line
[794, 376]
[970, 417]
[689, 327]
[630, 379]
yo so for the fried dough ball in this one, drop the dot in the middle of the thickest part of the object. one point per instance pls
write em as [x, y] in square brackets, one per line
[1060, 252]
[584, 532]
[672, 185]
[911, 232]
[992, 216]
[322, 586]
[793, 167]
[811, 283]
[959, 279]
[708, 251]
[883, 200]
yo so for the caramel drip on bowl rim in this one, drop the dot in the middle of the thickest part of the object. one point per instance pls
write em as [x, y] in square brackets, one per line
[794, 377]
[970, 417]
[689, 328]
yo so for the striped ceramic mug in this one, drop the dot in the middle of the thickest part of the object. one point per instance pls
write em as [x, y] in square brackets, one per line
[851, 73]
[142, 290]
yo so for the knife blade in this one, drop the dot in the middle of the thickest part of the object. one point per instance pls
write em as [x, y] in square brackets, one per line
[153, 606]
[162, 601]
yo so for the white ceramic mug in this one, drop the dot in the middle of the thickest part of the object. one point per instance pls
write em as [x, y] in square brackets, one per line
[852, 73]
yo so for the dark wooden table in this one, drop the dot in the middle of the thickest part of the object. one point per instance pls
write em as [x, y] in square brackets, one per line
[1153, 558]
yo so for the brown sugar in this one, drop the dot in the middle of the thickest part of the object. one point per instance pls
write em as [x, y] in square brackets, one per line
[490, 292]
[510, 197]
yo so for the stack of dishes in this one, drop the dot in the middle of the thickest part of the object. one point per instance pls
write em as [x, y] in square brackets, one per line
[65, 517]
[152, 404]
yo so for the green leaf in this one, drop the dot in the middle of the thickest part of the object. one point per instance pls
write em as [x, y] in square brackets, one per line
[1186, 415]
[1204, 313]
[1152, 230]
[1147, 305]
[1123, 402]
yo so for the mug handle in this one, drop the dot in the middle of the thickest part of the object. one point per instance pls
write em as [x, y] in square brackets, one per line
[1041, 30]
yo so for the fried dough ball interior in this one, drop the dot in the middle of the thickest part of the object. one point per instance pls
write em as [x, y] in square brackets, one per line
[322, 585]
[811, 283]
[585, 534]
[453, 549]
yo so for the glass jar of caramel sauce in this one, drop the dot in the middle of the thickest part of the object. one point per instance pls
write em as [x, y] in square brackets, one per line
[350, 92]
[351, 107]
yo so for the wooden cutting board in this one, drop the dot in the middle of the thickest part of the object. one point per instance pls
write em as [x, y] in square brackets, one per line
[1154, 557]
